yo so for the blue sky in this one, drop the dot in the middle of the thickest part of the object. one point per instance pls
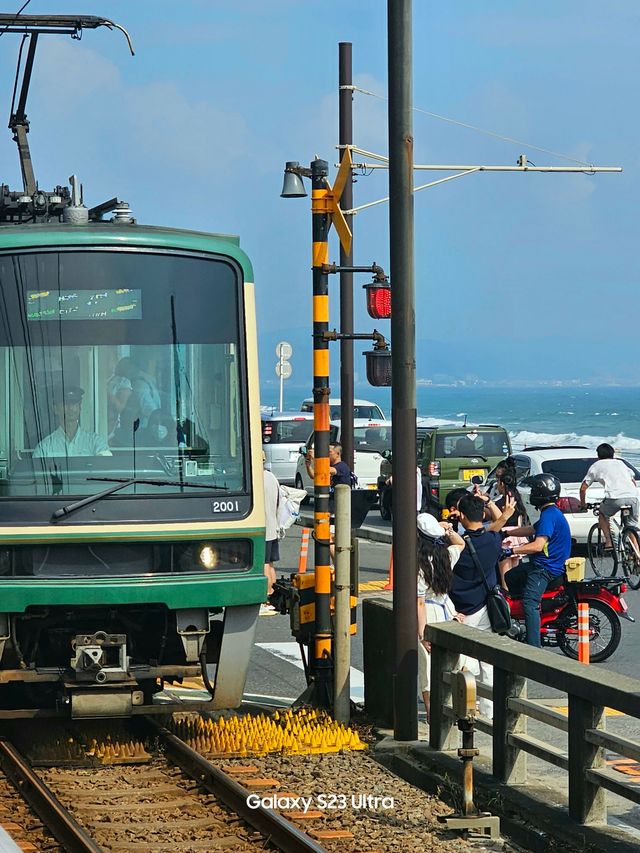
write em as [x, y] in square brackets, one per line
[517, 276]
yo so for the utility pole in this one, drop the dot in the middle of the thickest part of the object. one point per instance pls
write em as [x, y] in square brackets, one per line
[403, 391]
[345, 136]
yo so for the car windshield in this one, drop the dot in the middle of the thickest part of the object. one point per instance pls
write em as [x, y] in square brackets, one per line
[574, 470]
[285, 432]
[452, 445]
[369, 439]
[372, 439]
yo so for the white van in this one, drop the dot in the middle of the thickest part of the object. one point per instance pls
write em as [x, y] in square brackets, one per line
[282, 435]
[370, 440]
[361, 409]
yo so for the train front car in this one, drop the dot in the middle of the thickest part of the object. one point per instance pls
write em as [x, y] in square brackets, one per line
[131, 508]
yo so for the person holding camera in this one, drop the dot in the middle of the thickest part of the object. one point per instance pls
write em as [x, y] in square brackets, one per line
[469, 588]
[339, 471]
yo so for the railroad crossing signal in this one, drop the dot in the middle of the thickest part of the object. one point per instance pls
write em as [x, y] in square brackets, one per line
[284, 351]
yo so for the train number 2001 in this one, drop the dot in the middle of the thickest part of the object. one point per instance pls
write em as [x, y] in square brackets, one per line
[225, 506]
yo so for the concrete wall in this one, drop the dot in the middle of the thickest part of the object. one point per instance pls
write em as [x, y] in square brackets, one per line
[377, 645]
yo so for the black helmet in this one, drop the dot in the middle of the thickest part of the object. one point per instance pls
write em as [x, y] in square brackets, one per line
[545, 489]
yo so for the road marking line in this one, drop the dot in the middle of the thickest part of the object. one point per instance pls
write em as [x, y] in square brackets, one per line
[369, 586]
[625, 765]
[608, 712]
[290, 652]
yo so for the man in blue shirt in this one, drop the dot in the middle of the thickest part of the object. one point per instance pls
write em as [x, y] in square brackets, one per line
[550, 549]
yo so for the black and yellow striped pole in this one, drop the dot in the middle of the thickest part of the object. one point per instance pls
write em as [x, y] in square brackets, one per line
[322, 667]
[325, 211]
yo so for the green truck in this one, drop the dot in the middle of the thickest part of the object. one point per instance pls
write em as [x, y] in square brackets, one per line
[448, 457]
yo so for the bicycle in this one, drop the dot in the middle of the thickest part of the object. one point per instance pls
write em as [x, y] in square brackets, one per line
[625, 551]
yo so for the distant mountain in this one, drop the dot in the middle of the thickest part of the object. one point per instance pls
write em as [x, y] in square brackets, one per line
[484, 357]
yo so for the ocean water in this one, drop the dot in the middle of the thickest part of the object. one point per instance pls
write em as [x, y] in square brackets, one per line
[585, 415]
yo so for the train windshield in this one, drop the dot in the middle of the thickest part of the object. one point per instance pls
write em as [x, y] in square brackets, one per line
[120, 364]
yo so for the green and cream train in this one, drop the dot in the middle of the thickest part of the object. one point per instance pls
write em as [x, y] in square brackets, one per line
[131, 485]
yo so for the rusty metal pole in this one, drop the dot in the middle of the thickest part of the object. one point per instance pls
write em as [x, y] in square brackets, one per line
[403, 392]
[345, 137]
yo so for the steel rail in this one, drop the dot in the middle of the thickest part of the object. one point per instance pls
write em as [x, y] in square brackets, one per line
[49, 809]
[277, 829]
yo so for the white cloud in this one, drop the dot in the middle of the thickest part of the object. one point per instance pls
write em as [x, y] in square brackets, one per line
[148, 127]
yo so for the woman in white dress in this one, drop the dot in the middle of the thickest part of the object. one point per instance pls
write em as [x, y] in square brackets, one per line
[439, 548]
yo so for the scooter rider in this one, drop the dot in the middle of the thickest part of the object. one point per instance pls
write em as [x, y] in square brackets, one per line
[549, 551]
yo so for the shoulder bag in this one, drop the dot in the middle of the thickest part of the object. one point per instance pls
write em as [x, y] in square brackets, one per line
[497, 605]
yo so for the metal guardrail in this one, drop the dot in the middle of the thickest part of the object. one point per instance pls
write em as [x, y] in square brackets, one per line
[588, 696]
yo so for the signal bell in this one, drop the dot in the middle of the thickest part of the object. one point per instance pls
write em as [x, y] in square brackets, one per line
[378, 366]
[292, 186]
[378, 299]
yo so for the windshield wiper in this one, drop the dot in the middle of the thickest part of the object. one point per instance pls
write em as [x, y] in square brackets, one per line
[471, 456]
[122, 483]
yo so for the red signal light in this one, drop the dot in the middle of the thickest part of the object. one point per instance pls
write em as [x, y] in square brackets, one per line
[379, 300]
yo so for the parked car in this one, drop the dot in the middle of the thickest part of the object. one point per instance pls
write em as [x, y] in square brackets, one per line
[282, 434]
[448, 457]
[569, 465]
[370, 440]
[363, 409]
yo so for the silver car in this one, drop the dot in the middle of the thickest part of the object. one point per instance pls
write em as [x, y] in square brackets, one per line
[282, 435]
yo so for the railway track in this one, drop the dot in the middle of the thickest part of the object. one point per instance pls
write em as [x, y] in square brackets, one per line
[177, 801]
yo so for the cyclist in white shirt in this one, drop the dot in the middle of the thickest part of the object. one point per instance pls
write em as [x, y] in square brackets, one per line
[619, 489]
[70, 439]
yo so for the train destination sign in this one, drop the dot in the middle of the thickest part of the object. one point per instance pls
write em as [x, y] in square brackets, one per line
[122, 303]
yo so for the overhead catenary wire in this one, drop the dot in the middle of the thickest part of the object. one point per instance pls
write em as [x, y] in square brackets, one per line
[17, 15]
[482, 130]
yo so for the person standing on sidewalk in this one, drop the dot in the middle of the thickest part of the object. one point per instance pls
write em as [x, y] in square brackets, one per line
[340, 474]
[468, 590]
[339, 471]
[272, 545]
[439, 548]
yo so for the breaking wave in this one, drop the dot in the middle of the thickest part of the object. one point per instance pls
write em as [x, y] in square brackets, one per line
[621, 442]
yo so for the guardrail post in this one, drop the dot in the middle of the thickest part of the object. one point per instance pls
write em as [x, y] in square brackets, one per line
[509, 762]
[587, 800]
[443, 734]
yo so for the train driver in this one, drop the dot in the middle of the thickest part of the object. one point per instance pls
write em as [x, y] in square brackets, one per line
[69, 439]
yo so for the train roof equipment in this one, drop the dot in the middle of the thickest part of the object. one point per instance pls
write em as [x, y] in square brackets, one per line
[31, 204]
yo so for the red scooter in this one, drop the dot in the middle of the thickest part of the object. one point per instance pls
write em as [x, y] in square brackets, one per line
[559, 615]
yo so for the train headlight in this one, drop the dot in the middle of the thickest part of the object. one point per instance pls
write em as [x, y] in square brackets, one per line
[215, 556]
[208, 556]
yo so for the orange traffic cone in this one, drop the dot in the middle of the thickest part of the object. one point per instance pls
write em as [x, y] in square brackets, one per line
[304, 550]
[583, 632]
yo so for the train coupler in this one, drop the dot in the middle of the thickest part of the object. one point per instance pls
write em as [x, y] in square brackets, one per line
[100, 657]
